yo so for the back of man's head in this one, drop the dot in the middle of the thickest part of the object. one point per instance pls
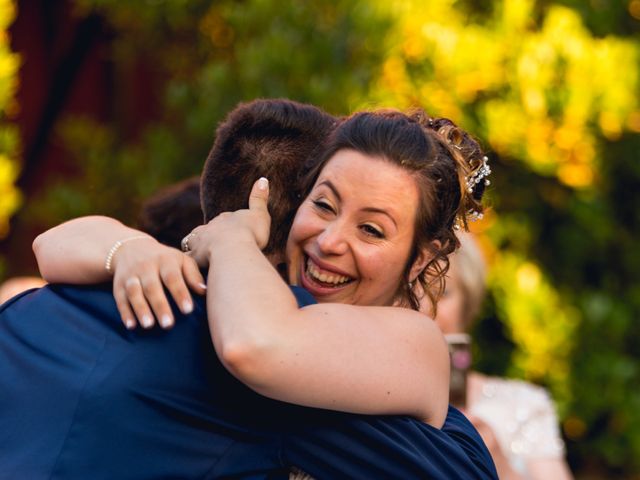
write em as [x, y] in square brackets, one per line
[263, 138]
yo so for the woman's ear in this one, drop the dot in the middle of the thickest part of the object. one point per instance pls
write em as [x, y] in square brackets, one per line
[424, 257]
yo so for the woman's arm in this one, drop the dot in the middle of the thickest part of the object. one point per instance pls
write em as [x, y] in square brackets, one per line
[76, 252]
[374, 360]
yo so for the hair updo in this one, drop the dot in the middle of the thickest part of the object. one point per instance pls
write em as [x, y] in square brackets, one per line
[441, 158]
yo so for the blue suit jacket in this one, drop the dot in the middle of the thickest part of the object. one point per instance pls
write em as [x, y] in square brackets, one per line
[82, 397]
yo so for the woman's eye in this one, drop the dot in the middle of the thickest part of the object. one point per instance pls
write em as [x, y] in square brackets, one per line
[372, 231]
[322, 205]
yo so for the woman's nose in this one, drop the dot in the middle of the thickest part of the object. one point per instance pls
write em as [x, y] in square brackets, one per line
[332, 240]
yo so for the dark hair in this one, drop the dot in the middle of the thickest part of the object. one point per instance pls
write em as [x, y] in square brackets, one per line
[173, 212]
[440, 157]
[270, 138]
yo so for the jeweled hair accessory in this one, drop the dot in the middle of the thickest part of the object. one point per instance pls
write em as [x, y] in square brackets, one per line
[474, 215]
[477, 176]
[472, 181]
[470, 216]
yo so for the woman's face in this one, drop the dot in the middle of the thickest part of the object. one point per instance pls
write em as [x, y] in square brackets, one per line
[351, 237]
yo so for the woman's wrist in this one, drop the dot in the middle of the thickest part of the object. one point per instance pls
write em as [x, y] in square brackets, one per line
[232, 243]
[109, 260]
[207, 241]
[117, 249]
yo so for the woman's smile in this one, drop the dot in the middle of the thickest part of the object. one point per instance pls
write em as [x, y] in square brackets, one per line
[320, 279]
[319, 274]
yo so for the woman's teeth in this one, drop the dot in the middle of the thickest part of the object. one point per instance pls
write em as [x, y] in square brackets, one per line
[333, 279]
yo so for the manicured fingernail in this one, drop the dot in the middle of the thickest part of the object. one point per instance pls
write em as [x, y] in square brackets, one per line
[130, 323]
[187, 306]
[202, 286]
[166, 321]
[263, 183]
[146, 321]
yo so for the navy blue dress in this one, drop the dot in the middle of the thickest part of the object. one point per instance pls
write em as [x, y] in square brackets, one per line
[82, 397]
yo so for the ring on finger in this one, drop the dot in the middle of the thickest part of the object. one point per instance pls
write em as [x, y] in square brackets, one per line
[184, 243]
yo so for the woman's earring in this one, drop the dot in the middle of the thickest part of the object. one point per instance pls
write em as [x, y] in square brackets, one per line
[410, 285]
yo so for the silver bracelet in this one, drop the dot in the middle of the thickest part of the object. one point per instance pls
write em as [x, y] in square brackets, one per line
[116, 246]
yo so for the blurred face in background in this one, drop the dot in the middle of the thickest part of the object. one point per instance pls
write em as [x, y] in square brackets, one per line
[450, 315]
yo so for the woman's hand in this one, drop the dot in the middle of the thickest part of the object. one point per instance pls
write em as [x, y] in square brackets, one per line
[77, 251]
[252, 224]
[141, 269]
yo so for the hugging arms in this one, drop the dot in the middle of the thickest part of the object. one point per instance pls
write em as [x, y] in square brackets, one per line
[378, 214]
[359, 222]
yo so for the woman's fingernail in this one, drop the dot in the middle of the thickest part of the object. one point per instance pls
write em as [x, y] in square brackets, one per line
[263, 183]
[202, 286]
[187, 306]
[146, 321]
[166, 321]
[130, 323]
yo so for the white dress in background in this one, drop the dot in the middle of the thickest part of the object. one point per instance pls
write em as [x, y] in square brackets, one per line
[521, 415]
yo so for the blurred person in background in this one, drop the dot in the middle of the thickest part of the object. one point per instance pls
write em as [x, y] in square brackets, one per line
[171, 213]
[516, 419]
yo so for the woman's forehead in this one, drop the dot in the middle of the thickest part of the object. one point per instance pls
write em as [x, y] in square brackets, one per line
[370, 182]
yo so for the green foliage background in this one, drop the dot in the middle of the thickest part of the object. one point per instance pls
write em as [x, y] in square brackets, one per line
[550, 87]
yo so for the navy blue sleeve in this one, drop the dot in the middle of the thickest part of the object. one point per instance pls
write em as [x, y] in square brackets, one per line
[461, 430]
[44, 366]
[357, 446]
